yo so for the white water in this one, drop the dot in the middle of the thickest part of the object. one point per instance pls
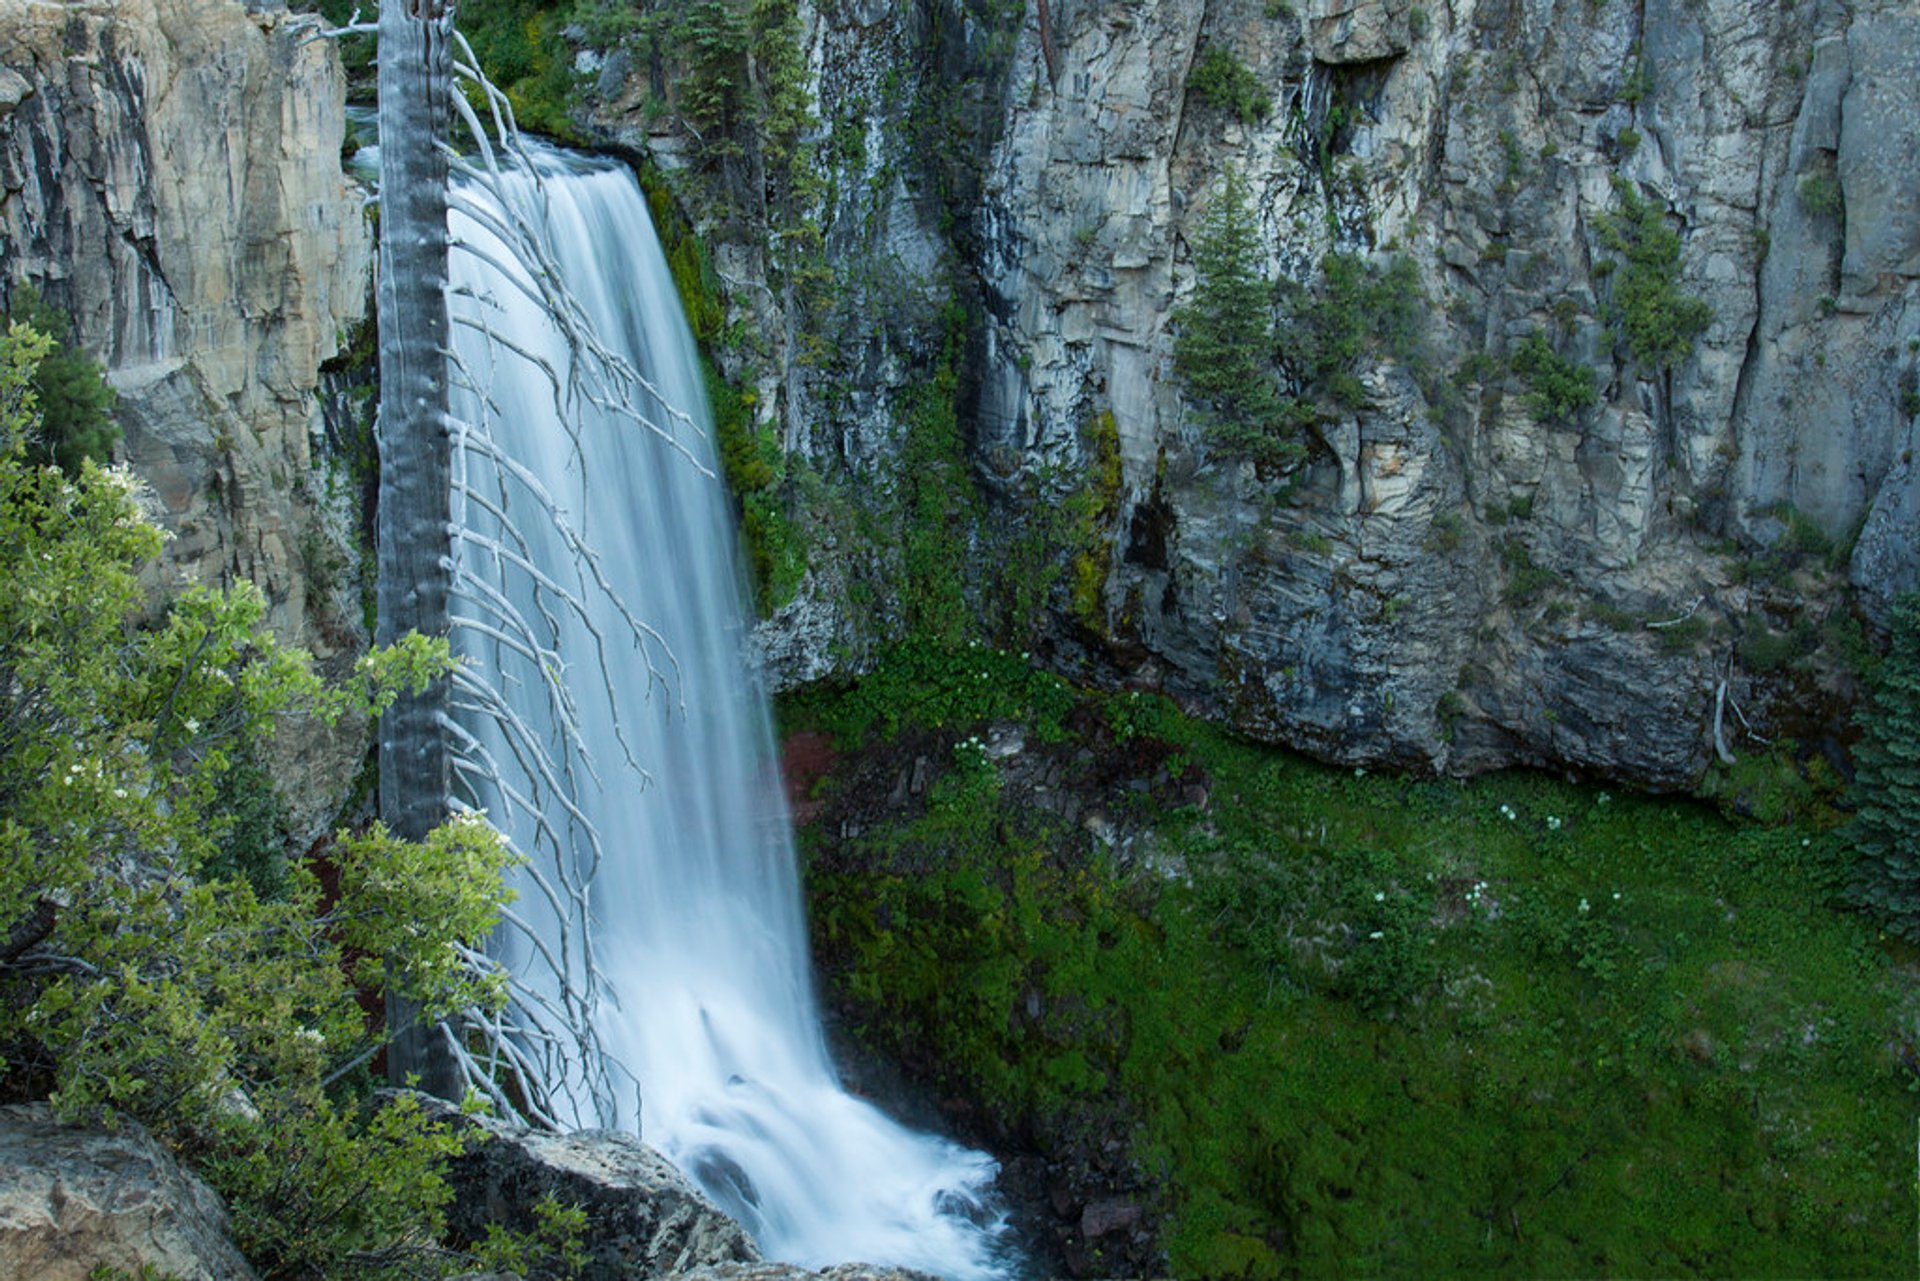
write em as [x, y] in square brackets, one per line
[694, 910]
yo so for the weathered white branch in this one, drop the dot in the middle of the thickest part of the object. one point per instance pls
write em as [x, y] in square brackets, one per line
[1698, 601]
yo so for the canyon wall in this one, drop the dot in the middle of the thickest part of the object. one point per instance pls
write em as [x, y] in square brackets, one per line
[1456, 574]
[170, 175]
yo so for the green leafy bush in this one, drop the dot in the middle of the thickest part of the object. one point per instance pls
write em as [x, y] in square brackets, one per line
[1222, 81]
[140, 971]
[1360, 311]
[1823, 196]
[75, 401]
[1658, 320]
[1558, 388]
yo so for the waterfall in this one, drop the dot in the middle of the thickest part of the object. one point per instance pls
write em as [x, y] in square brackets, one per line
[689, 898]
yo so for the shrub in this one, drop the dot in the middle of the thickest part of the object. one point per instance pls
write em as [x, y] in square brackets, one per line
[1360, 310]
[1822, 195]
[1658, 320]
[1558, 388]
[140, 971]
[1223, 81]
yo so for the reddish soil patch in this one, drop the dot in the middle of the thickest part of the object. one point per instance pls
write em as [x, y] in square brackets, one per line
[805, 758]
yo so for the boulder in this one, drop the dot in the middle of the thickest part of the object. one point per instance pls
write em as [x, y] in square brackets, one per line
[644, 1218]
[73, 1199]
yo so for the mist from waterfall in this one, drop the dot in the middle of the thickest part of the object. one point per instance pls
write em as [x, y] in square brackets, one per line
[689, 903]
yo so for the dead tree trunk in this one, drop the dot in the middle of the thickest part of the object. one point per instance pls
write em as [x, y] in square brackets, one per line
[415, 441]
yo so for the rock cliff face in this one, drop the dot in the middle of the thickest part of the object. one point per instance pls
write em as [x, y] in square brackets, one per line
[170, 174]
[1457, 576]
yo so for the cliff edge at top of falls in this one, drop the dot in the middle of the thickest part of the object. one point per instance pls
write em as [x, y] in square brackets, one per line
[170, 175]
[994, 217]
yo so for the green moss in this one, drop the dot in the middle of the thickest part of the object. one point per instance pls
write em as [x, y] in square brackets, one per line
[755, 466]
[1588, 1023]
[1096, 506]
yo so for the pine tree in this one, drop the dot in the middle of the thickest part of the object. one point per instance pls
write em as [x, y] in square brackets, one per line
[1224, 349]
[1886, 828]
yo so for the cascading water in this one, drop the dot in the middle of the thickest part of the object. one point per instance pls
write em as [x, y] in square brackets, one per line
[692, 914]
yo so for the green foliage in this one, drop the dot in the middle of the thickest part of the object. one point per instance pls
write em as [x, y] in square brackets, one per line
[1885, 833]
[142, 972]
[1594, 1021]
[1224, 335]
[1094, 507]
[1361, 311]
[1558, 388]
[1658, 320]
[1526, 581]
[519, 45]
[1823, 196]
[76, 404]
[553, 1250]
[1227, 84]
[919, 684]
[1446, 534]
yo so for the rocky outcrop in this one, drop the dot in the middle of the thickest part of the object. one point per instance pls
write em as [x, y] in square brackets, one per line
[1453, 579]
[73, 1200]
[644, 1219]
[170, 174]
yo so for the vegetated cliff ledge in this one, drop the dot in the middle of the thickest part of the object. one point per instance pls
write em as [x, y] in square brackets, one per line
[170, 174]
[1474, 565]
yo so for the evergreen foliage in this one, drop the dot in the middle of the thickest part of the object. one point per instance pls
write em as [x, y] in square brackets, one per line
[1658, 320]
[1886, 828]
[76, 403]
[1226, 332]
[1360, 310]
[1223, 81]
[1558, 388]
[140, 971]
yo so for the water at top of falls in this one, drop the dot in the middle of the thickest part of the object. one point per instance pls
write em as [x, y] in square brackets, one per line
[680, 892]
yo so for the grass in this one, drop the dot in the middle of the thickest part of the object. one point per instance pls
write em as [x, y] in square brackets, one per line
[1368, 1024]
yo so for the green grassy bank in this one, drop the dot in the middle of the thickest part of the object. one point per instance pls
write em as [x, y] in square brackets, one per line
[1348, 1024]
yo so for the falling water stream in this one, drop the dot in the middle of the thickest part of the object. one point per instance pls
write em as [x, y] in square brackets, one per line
[693, 910]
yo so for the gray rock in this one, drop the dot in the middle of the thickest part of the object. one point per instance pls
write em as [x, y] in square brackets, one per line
[73, 1199]
[644, 1219]
[1385, 604]
[173, 180]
